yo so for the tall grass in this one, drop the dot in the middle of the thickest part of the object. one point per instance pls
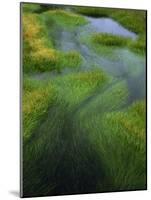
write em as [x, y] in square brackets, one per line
[39, 55]
[78, 134]
[37, 97]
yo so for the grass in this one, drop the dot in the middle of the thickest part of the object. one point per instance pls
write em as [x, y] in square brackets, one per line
[125, 18]
[31, 8]
[79, 135]
[109, 39]
[39, 55]
[37, 97]
[119, 138]
[65, 19]
[51, 138]
[101, 41]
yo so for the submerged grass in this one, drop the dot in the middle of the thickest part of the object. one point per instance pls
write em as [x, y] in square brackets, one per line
[78, 134]
[120, 139]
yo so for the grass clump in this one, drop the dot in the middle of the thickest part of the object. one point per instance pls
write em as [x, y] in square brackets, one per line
[65, 19]
[37, 97]
[123, 16]
[109, 39]
[39, 55]
[138, 46]
[121, 140]
[134, 20]
[78, 86]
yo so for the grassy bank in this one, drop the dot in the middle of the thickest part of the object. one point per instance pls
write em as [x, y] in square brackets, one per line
[39, 53]
[125, 18]
[80, 133]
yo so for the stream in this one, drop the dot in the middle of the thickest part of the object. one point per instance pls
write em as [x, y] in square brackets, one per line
[72, 164]
[121, 62]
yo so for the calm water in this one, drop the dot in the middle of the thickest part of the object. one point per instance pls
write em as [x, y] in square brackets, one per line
[119, 62]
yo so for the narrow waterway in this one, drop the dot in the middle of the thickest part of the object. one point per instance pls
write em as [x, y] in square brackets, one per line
[118, 62]
[69, 161]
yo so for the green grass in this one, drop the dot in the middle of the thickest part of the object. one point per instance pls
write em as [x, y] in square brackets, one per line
[65, 19]
[109, 39]
[31, 8]
[125, 18]
[100, 42]
[52, 135]
[119, 137]
[79, 135]
[39, 54]
[37, 97]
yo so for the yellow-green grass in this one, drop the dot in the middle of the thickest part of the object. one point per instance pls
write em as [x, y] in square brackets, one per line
[134, 20]
[39, 55]
[37, 97]
[50, 139]
[120, 137]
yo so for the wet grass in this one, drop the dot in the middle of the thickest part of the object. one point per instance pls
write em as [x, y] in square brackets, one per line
[109, 39]
[101, 41]
[79, 134]
[125, 18]
[37, 97]
[65, 19]
[39, 54]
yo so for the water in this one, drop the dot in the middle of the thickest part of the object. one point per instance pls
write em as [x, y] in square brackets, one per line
[119, 62]
[107, 25]
[65, 134]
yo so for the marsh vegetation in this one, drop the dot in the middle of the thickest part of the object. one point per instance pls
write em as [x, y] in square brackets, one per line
[84, 126]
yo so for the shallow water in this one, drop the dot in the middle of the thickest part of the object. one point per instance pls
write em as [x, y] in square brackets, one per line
[107, 25]
[119, 62]
[64, 133]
